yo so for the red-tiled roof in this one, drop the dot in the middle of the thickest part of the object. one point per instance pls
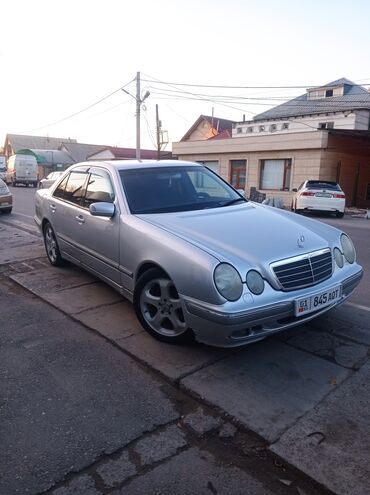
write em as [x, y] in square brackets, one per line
[219, 125]
[130, 153]
[225, 134]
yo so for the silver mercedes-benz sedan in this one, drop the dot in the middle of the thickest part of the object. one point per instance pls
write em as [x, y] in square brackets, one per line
[195, 257]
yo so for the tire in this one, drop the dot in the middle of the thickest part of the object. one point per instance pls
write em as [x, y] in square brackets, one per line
[339, 214]
[158, 307]
[51, 246]
[296, 209]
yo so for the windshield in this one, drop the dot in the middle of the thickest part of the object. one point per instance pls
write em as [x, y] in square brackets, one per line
[321, 184]
[178, 188]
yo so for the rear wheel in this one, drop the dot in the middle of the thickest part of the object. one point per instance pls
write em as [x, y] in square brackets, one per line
[158, 307]
[296, 209]
[339, 214]
[51, 246]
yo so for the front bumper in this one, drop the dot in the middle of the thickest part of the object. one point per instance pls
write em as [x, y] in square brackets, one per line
[226, 329]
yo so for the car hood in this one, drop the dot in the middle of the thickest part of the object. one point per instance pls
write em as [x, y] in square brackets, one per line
[248, 234]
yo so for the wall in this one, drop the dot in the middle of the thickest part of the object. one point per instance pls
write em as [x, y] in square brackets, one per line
[354, 157]
[304, 151]
[358, 120]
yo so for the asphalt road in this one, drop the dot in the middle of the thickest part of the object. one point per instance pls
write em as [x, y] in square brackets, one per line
[23, 204]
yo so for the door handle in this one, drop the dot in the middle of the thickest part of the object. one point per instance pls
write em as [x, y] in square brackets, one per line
[80, 219]
[52, 208]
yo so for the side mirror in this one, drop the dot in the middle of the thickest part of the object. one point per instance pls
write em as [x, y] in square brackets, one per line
[295, 190]
[102, 209]
[242, 192]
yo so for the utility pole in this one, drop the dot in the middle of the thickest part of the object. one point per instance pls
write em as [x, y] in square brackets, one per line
[138, 106]
[158, 126]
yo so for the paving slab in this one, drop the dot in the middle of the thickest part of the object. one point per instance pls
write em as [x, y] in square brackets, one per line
[267, 386]
[172, 361]
[49, 279]
[331, 443]
[346, 321]
[116, 321]
[68, 289]
[337, 349]
[194, 472]
[17, 245]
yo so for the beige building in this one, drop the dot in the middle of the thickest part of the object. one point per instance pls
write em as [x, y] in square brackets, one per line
[324, 134]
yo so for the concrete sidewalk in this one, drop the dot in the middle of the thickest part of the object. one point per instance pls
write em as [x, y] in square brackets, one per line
[304, 392]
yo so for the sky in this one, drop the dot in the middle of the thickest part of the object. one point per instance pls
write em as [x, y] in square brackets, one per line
[63, 63]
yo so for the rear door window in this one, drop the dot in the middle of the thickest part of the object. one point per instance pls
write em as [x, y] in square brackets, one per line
[75, 188]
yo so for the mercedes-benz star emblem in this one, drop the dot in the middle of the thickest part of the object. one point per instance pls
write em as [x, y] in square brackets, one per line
[300, 241]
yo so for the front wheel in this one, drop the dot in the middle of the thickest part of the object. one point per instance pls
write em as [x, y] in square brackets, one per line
[51, 246]
[339, 214]
[158, 307]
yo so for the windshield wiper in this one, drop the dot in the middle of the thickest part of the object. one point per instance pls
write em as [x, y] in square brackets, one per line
[233, 201]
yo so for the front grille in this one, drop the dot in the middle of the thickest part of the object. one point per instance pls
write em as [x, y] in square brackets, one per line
[304, 271]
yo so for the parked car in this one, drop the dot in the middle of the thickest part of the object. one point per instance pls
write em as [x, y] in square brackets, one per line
[50, 179]
[22, 169]
[319, 195]
[2, 167]
[194, 256]
[6, 198]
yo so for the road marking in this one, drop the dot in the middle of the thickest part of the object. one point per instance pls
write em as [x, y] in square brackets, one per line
[358, 306]
[22, 214]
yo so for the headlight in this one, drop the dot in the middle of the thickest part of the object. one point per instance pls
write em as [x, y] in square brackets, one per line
[338, 256]
[228, 282]
[255, 282]
[348, 248]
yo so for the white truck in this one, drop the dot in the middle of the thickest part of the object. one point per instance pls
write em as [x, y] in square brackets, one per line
[22, 169]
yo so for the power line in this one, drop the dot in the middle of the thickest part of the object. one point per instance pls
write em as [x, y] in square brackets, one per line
[236, 87]
[82, 110]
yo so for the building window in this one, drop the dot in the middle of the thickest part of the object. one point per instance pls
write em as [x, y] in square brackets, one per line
[250, 128]
[239, 130]
[275, 174]
[284, 126]
[273, 127]
[261, 128]
[211, 164]
[238, 173]
[328, 93]
[326, 125]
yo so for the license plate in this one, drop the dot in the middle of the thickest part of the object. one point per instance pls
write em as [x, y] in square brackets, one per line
[317, 301]
[323, 195]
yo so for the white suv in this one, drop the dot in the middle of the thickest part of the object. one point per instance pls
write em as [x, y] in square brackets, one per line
[319, 195]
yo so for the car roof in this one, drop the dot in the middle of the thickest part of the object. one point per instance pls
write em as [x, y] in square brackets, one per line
[135, 164]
